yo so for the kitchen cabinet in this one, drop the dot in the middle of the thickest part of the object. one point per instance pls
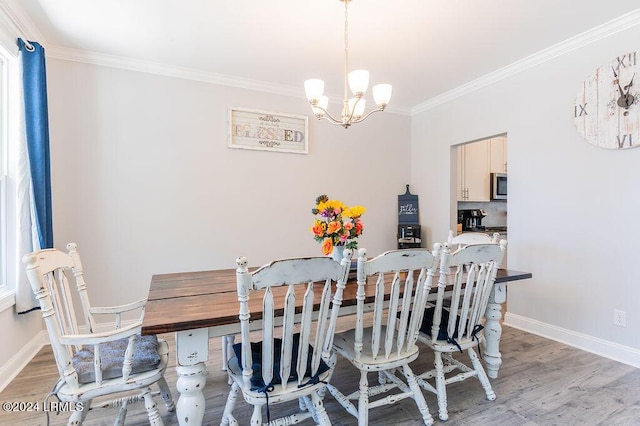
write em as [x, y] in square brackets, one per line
[475, 163]
[498, 154]
[473, 171]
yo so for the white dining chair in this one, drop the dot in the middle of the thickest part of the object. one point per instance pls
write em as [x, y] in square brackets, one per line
[388, 344]
[452, 329]
[94, 363]
[296, 347]
[467, 238]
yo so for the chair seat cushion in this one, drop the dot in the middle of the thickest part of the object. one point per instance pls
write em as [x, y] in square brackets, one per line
[257, 381]
[145, 358]
[427, 324]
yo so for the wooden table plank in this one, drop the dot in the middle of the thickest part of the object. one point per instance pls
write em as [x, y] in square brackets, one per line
[166, 289]
[508, 275]
[184, 301]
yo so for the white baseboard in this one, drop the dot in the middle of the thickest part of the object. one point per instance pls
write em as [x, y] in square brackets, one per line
[605, 348]
[11, 369]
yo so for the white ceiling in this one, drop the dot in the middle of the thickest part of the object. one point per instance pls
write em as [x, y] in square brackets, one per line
[424, 48]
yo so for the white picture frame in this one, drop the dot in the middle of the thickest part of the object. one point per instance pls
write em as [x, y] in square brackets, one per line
[268, 131]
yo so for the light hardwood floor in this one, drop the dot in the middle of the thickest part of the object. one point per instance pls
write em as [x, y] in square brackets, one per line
[541, 383]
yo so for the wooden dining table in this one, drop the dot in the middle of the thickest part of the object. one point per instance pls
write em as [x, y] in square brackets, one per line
[199, 305]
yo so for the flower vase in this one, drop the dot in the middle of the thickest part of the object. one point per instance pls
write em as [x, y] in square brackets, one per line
[337, 253]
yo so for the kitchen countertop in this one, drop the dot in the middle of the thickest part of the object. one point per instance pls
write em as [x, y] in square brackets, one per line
[488, 229]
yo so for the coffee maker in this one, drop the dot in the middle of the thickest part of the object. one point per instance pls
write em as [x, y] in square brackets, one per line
[471, 219]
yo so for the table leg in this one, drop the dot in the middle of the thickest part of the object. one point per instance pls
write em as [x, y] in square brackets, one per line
[192, 350]
[493, 329]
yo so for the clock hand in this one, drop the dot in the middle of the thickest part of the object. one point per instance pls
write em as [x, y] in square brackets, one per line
[627, 99]
[628, 86]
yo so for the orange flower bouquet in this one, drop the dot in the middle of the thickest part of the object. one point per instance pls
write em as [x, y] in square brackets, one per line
[336, 224]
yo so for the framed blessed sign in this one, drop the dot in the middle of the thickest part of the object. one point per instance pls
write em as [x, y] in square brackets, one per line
[268, 131]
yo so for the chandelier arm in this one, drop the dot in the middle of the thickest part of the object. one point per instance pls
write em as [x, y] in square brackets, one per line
[353, 110]
[327, 115]
[364, 117]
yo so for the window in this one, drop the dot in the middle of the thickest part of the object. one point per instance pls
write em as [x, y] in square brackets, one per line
[3, 170]
[9, 85]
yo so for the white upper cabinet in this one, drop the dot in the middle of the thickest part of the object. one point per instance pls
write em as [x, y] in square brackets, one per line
[498, 154]
[473, 175]
[476, 161]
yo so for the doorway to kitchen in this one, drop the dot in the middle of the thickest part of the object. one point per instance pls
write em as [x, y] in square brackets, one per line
[480, 181]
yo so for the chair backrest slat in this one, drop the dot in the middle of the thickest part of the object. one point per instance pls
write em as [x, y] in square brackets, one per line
[394, 309]
[422, 289]
[322, 326]
[405, 311]
[81, 286]
[305, 325]
[287, 333]
[378, 312]
[268, 347]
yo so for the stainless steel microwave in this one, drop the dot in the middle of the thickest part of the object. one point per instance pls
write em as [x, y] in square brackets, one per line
[498, 186]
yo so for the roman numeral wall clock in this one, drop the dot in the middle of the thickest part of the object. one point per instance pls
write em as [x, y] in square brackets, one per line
[607, 109]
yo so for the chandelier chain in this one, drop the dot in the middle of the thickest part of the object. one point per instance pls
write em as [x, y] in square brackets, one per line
[346, 47]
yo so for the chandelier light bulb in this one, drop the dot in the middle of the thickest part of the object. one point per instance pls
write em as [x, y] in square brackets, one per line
[382, 94]
[322, 104]
[359, 82]
[313, 88]
[356, 106]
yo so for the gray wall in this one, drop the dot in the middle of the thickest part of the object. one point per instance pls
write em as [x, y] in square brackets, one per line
[144, 182]
[571, 204]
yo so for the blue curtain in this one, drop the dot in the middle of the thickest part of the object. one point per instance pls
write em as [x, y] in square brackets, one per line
[37, 130]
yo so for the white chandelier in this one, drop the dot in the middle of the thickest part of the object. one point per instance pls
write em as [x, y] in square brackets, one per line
[358, 81]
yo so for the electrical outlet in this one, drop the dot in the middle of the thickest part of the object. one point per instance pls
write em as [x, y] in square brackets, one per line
[619, 318]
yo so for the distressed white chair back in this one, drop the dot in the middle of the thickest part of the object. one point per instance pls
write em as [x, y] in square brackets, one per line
[49, 272]
[466, 238]
[300, 310]
[407, 276]
[472, 271]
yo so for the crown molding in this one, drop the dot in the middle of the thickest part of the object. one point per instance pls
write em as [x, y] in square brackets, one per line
[597, 33]
[19, 22]
[131, 64]
[116, 61]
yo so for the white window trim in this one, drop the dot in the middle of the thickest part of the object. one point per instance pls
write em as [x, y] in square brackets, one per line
[4, 197]
[9, 111]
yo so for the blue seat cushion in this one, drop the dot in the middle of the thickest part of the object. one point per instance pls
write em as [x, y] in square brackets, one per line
[257, 382]
[145, 358]
[427, 323]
